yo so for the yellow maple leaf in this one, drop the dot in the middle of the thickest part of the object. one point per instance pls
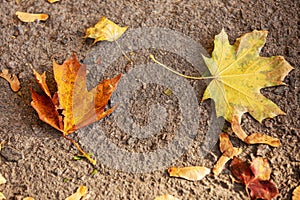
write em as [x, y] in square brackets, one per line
[238, 75]
[105, 29]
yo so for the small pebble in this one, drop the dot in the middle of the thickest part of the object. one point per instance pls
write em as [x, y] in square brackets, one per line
[11, 154]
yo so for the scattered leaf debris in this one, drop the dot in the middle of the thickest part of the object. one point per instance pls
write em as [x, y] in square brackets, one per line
[28, 198]
[81, 192]
[168, 92]
[2, 179]
[31, 17]
[2, 197]
[12, 79]
[166, 197]
[53, 1]
[296, 193]
[194, 173]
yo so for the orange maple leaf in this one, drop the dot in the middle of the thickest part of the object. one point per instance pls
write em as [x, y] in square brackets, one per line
[72, 106]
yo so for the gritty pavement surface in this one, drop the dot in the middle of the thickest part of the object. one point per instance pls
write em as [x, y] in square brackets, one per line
[38, 162]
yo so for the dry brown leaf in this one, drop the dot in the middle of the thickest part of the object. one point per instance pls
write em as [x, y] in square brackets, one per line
[255, 177]
[2, 197]
[53, 1]
[81, 192]
[105, 29]
[225, 143]
[259, 138]
[296, 193]
[2, 179]
[31, 17]
[228, 151]
[194, 173]
[220, 165]
[12, 79]
[166, 197]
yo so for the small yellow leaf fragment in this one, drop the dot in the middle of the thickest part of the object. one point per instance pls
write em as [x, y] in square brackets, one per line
[12, 79]
[2, 197]
[261, 168]
[2, 179]
[31, 17]
[81, 192]
[296, 193]
[237, 129]
[105, 29]
[194, 173]
[53, 1]
[28, 198]
[166, 197]
[168, 92]
[259, 138]
[219, 166]
[225, 143]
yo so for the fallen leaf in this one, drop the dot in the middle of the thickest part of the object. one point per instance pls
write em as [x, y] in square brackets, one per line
[94, 172]
[259, 138]
[72, 106]
[228, 151]
[28, 198]
[105, 29]
[225, 143]
[2, 179]
[2, 197]
[194, 173]
[261, 168]
[168, 92]
[238, 75]
[53, 1]
[31, 17]
[166, 197]
[241, 170]
[256, 177]
[220, 164]
[81, 192]
[296, 193]
[12, 79]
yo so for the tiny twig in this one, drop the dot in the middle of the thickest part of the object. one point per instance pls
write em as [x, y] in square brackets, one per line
[179, 74]
[131, 62]
[81, 151]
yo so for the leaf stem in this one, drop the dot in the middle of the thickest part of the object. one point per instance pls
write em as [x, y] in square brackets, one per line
[178, 73]
[81, 151]
[124, 54]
